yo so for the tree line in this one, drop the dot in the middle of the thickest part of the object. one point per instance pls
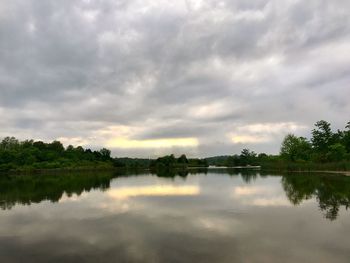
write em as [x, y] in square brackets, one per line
[30, 154]
[326, 149]
[33, 155]
[245, 158]
[164, 162]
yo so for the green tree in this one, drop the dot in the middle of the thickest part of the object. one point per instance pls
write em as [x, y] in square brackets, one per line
[167, 161]
[346, 137]
[9, 143]
[105, 153]
[233, 160]
[56, 146]
[182, 160]
[295, 148]
[322, 136]
[336, 152]
[247, 157]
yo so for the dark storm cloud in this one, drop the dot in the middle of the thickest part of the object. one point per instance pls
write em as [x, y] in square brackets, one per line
[92, 71]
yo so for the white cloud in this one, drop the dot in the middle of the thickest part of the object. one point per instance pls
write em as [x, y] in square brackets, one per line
[126, 143]
[263, 132]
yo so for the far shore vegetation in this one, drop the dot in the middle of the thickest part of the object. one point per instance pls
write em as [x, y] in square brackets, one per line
[325, 150]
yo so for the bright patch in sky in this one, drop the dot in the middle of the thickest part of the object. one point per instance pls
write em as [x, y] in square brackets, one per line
[153, 143]
[248, 139]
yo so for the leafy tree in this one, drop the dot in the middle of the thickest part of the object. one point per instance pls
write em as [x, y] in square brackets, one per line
[56, 146]
[105, 154]
[346, 137]
[233, 160]
[182, 160]
[322, 136]
[217, 160]
[337, 152]
[27, 144]
[262, 156]
[9, 143]
[194, 162]
[167, 161]
[39, 145]
[295, 148]
[247, 157]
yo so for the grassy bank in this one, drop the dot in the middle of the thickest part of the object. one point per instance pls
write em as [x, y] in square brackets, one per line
[306, 166]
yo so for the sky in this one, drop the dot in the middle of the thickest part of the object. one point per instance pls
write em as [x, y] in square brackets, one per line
[152, 77]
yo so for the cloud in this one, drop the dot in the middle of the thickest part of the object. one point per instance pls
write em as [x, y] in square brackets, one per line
[155, 143]
[228, 74]
[263, 132]
[249, 139]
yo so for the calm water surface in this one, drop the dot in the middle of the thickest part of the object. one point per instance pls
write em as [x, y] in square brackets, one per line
[212, 216]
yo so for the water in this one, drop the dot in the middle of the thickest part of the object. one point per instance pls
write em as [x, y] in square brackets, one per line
[212, 216]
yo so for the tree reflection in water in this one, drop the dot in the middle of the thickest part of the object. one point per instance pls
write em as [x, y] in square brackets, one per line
[331, 192]
[28, 189]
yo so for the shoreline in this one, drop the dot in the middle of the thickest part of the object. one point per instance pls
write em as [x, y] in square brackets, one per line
[55, 170]
[97, 169]
[345, 173]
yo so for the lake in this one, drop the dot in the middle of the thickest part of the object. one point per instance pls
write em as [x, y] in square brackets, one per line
[198, 216]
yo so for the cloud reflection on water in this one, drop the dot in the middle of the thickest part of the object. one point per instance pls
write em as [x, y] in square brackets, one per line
[154, 190]
[260, 195]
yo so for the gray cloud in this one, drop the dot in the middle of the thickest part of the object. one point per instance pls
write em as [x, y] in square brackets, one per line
[146, 70]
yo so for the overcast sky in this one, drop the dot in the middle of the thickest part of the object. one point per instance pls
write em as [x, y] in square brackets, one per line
[149, 77]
